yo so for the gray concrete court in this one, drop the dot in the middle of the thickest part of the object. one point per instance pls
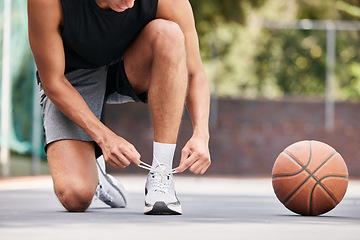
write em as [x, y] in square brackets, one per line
[214, 208]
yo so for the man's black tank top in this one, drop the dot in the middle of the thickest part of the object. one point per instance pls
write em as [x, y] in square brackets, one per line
[94, 37]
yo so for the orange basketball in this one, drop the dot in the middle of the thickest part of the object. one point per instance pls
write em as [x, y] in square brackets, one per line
[310, 178]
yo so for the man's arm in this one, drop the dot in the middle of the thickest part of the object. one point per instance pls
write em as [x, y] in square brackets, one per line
[45, 18]
[195, 154]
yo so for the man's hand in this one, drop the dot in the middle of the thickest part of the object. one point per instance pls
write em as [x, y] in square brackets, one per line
[119, 153]
[195, 156]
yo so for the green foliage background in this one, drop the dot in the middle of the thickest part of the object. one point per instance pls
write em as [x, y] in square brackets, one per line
[243, 59]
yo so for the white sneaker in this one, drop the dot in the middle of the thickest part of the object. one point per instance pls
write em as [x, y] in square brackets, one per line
[160, 196]
[109, 189]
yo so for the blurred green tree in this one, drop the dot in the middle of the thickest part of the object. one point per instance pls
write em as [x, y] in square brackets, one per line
[244, 60]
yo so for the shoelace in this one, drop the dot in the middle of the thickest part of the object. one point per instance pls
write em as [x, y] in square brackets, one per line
[156, 170]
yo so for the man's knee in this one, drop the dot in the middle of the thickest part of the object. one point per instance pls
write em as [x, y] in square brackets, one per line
[75, 198]
[167, 38]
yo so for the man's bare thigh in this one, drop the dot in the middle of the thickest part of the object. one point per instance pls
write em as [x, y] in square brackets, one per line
[72, 161]
[138, 58]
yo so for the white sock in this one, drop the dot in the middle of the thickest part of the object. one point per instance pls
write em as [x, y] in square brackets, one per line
[164, 153]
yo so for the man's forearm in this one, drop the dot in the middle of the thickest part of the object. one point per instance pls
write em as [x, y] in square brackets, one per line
[198, 104]
[195, 155]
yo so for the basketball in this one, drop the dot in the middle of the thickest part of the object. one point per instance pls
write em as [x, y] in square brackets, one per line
[310, 178]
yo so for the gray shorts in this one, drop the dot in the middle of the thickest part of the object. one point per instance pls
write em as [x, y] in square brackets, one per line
[107, 84]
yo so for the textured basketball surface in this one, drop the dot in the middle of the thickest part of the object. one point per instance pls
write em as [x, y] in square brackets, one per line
[310, 177]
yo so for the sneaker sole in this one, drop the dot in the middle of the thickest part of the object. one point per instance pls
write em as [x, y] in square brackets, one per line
[160, 208]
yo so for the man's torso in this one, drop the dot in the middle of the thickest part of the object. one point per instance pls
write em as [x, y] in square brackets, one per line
[95, 37]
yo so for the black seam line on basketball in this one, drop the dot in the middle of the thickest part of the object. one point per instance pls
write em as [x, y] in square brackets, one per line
[311, 175]
[318, 181]
[293, 174]
[298, 162]
[321, 185]
[323, 163]
[304, 168]
[287, 199]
